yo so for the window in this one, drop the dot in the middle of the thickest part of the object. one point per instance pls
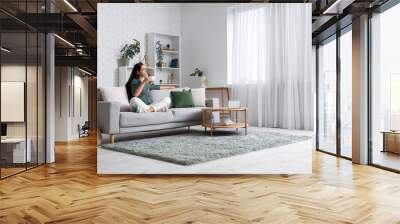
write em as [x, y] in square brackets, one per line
[245, 40]
[394, 101]
[385, 89]
[335, 94]
[22, 66]
[346, 94]
[327, 97]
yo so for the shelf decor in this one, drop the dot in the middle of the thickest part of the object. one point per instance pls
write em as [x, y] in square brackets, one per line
[203, 79]
[163, 52]
[174, 63]
[160, 54]
[162, 59]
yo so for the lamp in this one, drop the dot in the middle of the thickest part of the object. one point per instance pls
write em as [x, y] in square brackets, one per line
[70, 5]
[337, 7]
[64, 40]
[84, 71]
[5, 50]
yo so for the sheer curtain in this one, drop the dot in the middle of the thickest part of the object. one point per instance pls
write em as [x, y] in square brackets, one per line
[270, 63]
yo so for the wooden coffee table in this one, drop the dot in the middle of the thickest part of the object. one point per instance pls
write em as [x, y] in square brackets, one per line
[208, 122]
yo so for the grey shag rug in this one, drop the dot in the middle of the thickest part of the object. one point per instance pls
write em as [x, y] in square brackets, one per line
[197, 147]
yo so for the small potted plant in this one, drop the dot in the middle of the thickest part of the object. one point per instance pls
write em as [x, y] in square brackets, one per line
[160, 54]
[129, 51]
[203, 79]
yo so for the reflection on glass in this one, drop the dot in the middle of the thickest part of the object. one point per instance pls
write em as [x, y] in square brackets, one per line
[346, 94]
[31, 97]
[41, 98]
[327, 97]
[394, 101]
[385, 84]
[13, 84]
[22, 91]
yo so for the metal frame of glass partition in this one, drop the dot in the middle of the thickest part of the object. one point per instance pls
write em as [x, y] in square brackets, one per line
[387, 5]
[40, 36]
[334, 37]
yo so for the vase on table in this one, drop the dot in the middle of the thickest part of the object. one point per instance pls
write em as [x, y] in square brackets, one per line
[203, 81]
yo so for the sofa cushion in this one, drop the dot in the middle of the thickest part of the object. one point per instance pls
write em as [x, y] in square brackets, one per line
[181, 99]
[116, 94]
[132, 119]
[199, 97]
[158, 95]
[186, 114]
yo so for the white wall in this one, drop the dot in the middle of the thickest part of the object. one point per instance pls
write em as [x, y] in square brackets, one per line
[66, 121]
[204, 42]
[83, 82]
[202, 27]
[17, 72]
[61, 96]
[119, 23]
[34, 125]
[79, 117]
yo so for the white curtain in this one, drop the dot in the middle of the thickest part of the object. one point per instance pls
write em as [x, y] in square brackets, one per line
[270, 63]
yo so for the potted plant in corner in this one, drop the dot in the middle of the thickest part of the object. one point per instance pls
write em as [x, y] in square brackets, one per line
[203, 79]
[129, 51]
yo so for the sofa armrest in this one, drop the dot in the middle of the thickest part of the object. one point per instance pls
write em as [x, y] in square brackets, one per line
[108, 117]
[212, 102]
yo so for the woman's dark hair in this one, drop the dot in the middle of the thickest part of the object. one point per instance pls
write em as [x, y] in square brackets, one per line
[134, 75]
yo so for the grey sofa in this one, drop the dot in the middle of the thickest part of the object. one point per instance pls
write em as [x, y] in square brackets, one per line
[113, 121]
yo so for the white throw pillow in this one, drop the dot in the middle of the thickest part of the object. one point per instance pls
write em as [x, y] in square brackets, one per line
[199, 97]
[116, 94]
[158, 95]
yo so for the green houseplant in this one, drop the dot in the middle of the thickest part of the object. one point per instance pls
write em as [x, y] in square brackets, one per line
[203, 79]
[160, 54]
[129, 51]
[197, 72]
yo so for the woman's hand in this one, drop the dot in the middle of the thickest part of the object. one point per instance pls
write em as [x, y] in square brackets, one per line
[143, 80]
[146, 78]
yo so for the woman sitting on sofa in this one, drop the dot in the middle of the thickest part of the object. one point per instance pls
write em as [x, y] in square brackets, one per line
[138, 89]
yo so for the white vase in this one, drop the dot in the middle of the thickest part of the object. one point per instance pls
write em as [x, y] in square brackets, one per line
[203, 81]
[124, 61]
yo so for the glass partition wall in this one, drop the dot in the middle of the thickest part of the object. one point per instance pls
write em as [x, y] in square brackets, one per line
[22, 77]
[327, 96]
[334, 60]
[346, 75]
[385, 89]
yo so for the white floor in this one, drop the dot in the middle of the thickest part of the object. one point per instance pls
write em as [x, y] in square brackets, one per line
[289, 159]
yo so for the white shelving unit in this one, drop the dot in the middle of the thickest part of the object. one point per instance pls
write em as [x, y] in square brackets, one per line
[161, 75]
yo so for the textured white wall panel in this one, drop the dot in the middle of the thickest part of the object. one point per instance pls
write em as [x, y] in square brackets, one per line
[204, 42]
[119, 23]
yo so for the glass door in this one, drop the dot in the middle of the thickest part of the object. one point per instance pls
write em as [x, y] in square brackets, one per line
[22, 77]
[346, 93]
[385, 89]
[14, 155]
[335, 94]
[327, 96]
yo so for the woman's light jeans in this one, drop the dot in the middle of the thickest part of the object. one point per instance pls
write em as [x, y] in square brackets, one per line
[141, 107]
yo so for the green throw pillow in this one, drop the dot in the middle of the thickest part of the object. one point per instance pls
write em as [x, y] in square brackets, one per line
[181, 99]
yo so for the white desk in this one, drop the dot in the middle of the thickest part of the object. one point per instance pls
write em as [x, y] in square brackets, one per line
[17, 146]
